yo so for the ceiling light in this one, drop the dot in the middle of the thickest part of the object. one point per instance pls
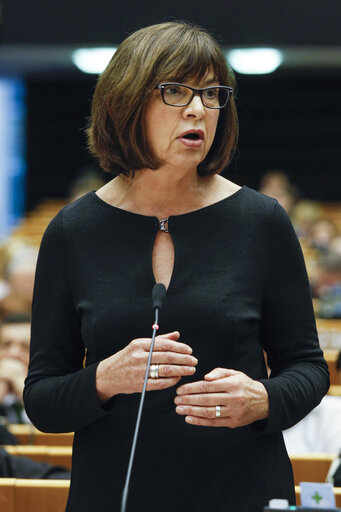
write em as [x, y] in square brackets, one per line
[255, 61]
[92, 60]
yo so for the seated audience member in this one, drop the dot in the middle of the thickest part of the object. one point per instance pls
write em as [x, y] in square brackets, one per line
[276, 184]
[12, 466]
[320, 430]
[321, 233]
[335, 476]
[304, 215]
[19, 273]
[326, 285]
[4, 289]
[89, 178]
[14, 357]
[6, 437]
[335, 244]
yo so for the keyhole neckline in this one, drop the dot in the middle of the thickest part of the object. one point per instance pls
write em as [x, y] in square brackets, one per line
[198, 211]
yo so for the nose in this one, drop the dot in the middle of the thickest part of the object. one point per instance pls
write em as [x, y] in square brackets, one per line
[195, 107]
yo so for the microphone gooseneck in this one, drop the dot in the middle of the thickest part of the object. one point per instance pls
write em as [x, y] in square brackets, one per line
[158, 294]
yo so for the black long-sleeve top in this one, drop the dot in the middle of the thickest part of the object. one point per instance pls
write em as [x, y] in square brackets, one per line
[238, 286]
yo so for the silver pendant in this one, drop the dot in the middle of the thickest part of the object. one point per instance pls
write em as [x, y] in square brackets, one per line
[163, 225]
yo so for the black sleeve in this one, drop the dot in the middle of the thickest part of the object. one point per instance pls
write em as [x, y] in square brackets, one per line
[59, 395]
[299, 374]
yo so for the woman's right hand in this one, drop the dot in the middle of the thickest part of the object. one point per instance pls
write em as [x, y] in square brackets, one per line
[124, 371]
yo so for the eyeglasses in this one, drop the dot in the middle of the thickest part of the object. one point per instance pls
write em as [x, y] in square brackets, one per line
[180, 95]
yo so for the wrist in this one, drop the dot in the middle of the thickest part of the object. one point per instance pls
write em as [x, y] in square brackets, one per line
[106, 384]
[102, 382]
[263, 409]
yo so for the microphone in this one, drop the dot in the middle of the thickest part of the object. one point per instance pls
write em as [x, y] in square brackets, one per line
[158, 294]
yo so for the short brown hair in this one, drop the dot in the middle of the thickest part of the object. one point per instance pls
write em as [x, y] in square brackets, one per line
[172, 51]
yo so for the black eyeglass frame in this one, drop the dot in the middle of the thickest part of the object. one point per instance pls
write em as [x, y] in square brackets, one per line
[195, 91]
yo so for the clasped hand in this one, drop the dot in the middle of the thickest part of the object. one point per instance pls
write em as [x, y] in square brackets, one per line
[124, 371]
[242, 400]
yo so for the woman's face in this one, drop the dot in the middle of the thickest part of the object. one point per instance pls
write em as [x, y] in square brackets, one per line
[166, 126]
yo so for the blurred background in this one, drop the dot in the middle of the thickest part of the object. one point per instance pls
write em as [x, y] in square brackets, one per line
[288, 99]
[289, 118]
[287, 59]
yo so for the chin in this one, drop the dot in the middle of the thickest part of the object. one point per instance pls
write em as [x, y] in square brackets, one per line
[189, 161]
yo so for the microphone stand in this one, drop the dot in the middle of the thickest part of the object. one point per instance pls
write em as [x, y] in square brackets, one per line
[158, 291]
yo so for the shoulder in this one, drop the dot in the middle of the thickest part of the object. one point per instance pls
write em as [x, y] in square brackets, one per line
[70, 221]
[256, 202]
[82, 208]
[75, 214]
[242, 197]
[265, 209]
[263, 221]
[256, 209]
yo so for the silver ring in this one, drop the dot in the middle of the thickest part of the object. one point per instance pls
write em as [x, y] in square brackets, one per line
[154, 371]
[217, 411]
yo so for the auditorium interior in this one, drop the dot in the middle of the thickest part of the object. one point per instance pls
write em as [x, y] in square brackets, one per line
[289, 148]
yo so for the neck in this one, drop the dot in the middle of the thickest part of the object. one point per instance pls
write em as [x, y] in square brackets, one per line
[162, 192]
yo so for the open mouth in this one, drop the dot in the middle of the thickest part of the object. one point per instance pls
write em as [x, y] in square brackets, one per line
[192, 136]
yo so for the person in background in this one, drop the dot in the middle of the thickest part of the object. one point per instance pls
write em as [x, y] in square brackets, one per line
[335, 244]
[328, 275]
[322, 232]
[320, 430]
[88, 178]
[326, 285]
[276, 184]
[304, 214]
[14, 466]
[14, 357]
[18, 272]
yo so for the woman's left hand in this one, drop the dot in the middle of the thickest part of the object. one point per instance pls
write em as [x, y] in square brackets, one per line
[242, 400]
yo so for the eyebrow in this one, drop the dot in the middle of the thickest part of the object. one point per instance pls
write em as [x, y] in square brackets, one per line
[203, 83]
[210, 81]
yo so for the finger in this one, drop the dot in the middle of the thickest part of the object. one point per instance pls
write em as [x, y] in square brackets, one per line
[157, 384]
[209, 399]
[205, 422]
[202, 387]
[167, 345]
[220, 373]
[175, 335]
[173, 358]
[200, 412]
[172, 370]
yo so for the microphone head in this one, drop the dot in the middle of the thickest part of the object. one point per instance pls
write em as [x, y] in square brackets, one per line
[158, 294]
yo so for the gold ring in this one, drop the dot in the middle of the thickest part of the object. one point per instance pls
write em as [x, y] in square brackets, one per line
[217, 411]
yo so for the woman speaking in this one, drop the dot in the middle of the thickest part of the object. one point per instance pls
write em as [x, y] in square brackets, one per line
[164, 123]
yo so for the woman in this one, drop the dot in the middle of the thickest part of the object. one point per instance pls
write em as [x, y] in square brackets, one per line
[236, 285]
